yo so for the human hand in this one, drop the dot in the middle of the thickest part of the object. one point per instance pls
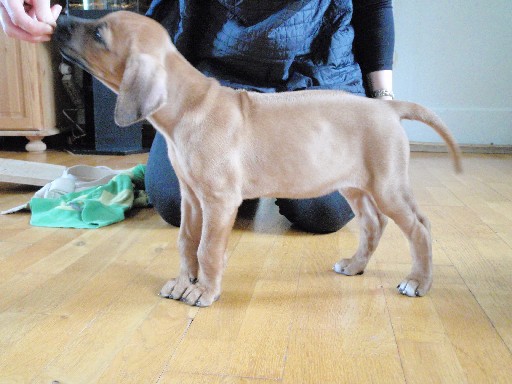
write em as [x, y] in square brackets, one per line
[29, 20]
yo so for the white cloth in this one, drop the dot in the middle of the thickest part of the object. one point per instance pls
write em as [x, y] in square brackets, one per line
[74, 179]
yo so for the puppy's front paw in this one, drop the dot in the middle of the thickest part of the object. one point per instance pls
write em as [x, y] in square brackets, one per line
[200, 295]
[414, 286]
[175, 288]
[349, 267]
[189, 291]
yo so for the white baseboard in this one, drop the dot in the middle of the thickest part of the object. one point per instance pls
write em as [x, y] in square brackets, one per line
[465, 148]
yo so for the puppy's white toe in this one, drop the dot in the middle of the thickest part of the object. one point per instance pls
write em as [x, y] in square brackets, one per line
[348, 267]
[408, 288]
[337, 268]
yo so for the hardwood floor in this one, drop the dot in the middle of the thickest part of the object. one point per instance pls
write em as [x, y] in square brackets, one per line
[81, 306]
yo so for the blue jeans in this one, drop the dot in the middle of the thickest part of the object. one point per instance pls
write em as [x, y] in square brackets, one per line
[323, 214]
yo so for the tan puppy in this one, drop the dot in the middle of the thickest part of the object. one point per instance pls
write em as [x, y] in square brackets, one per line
[229, 145]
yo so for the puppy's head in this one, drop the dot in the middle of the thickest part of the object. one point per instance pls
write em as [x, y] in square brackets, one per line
[126, 52]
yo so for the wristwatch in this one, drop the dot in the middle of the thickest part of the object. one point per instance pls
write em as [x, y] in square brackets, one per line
[381, 93]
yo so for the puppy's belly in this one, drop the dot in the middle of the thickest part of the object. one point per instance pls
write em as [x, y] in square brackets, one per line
[302, 157]
[300, 181]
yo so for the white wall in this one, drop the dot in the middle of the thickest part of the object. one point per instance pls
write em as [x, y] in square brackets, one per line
[456, 58]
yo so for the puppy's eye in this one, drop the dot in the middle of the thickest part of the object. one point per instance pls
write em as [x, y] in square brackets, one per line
[97, 35]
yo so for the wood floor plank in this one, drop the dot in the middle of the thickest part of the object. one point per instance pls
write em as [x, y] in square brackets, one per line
[86, 356]
[503, 188]
[114, 322]
[426, 352]
[65, 325]
[18, 221]
[262, 342]
[184, 378]
[345, 318]
[14, 326]
[44, 339]
[505, 233]
[444, 197]
[62, 273]
[327, 356]
[216, 340]
[481, 351]
[145, 355]
[29, 253]
[466, 241]
[81, 306]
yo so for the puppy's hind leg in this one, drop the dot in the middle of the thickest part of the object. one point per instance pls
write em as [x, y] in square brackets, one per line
[398, 203]
[371, 222]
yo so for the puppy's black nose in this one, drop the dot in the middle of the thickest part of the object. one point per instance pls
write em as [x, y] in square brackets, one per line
[64, 21]
[66, 26]
[64, 30]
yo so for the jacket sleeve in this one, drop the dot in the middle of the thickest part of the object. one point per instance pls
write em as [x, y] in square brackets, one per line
[374, 39]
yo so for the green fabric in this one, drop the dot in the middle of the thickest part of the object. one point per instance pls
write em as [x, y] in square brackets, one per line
[94, 207]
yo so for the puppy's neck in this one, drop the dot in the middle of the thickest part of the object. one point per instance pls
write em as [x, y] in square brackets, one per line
[186, 88]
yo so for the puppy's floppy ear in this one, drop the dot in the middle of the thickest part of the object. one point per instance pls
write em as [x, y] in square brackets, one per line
[143, 89]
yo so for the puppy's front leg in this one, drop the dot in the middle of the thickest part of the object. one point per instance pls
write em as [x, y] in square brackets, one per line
[188, 243]
[218, 219]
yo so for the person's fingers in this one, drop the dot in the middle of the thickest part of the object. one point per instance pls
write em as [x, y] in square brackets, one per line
[4, 17]
[20, 34]
[43, 11]
[40, 39]
[56, 10]
[12, 30]
[21, 20]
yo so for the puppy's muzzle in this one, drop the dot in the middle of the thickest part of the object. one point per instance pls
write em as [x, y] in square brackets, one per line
[67, 37]
[65, 28]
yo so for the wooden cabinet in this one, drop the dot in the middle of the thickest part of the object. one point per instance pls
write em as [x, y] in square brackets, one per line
[27, 91]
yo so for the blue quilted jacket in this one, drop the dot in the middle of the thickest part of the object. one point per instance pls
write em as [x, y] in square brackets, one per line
[266, 45]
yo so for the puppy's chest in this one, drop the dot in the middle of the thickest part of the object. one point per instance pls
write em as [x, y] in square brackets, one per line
[202, 166]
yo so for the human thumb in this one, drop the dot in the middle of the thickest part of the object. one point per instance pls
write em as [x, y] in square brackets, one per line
[43, 12]
[56, 10]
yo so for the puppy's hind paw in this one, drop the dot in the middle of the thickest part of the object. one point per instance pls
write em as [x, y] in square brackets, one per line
[412, 288]
[348, 267]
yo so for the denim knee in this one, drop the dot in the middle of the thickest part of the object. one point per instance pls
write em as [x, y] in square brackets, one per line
[324, 214]
[162, 184]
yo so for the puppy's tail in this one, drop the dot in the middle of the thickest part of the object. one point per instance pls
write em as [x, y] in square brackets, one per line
[412, 111]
